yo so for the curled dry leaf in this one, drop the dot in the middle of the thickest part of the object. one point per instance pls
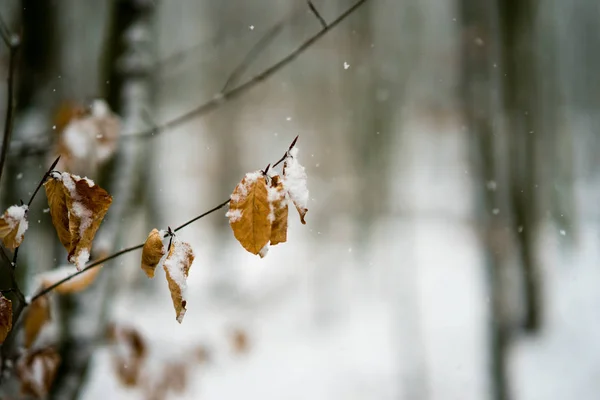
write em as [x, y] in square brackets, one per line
[88, 139]
[77, 206]
[36, 317]
[294, 181]
[153, 252]
[73, 285]
[6, 316]
[249, 212]
[279, 211]
[128, 353]
[13, 225]
[37, 370]
[177, 267]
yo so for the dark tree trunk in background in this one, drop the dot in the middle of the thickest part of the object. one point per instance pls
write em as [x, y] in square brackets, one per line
[480, 105]
[519, 84]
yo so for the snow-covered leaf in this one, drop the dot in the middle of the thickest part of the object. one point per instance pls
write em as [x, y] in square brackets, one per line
[278, 215]
[294, 181]
[177, 267]
[77, 206]
[37, 370]
[5, 317]
[153, 252]
[249, 212]
[37, 316]
[13, 225]
[89, 139]
[73, 285]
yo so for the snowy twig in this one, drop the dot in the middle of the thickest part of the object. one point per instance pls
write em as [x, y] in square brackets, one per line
[119, 253]
[13, 47]
[231, 94]
[314, 10]
[287, 152]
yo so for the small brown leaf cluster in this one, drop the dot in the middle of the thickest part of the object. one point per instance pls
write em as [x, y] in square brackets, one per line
[37, 370]
[129, 355]
[258, 209]
[176, 265]
[77, 207]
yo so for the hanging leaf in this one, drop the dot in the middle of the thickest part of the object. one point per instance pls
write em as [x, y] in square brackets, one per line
[294, 181]
[249, 212]
[5, 317]
[278, 215]
[13, 225]
[153, 252]
[177, 266]
[73, 285]
[128, 353]
[77, 207]
[37, 371]
[36, 317]
[88, 139]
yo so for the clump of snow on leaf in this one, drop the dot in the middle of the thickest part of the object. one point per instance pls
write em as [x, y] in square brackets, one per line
[248, 180]
[274, 196]
[233, 215]
[295, 178]
[263, 252]
[18, 215]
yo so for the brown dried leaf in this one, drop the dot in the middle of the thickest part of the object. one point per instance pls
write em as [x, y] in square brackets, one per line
[13, 224]
[36, 317]
[177, 267]
[77, 206]
[129, 353]
[239, 341]
[89, 139]
[5, 317]
[294, 180]
[249, 212]
[279, 211]
[152, 253]
[37, 371]
[73, 285]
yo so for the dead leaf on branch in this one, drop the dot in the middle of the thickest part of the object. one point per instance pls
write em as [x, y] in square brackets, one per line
[153, 252]
[249, 212]
[177, 267]
[37, 316]
[77, 206]
[278, 216]
[37, 371]
[88, 139]
[13, 224]
[294, 181]
[6, 316]
[73, 285]
[128, 352]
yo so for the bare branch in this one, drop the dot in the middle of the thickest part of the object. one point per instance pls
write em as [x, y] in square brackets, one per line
[5, 33]
[237, 91]
[314, 10]
[46, 175]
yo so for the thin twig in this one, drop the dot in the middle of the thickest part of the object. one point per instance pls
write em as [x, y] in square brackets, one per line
[46, 175]
[132, 248]
[8, 122]
[252, 54]
[286, 153]
[314, 10]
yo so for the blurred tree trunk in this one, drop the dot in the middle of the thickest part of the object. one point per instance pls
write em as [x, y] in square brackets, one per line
[519, 83]
[479, 84]
[129, 60]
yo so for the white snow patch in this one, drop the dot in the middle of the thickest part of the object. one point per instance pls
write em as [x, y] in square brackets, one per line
[174, 265]
[16, 216]
[233, 215]
[274, 195]
[81, 259]
[295, 178]
[263, 252]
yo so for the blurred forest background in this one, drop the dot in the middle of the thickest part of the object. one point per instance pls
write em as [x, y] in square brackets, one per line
[450, 250]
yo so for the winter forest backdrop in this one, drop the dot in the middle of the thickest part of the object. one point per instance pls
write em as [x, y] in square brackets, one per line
[450, 250]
